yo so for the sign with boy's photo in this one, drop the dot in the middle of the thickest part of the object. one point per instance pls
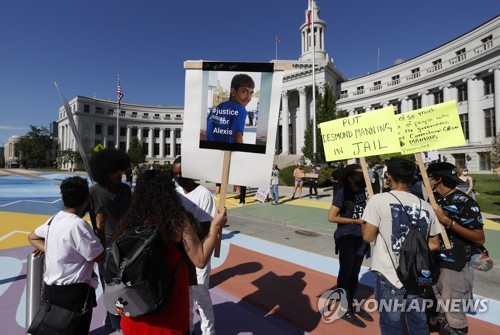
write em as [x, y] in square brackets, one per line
[237, 107]
[231, 107]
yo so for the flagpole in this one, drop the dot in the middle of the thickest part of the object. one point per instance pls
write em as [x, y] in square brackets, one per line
[117, 144]
[276, 42]
[313, 112]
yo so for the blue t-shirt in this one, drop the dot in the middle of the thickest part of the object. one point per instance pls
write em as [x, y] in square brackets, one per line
[225, 120]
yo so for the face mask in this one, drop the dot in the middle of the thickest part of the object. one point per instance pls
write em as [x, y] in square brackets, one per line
[182, 182]
[360, 183]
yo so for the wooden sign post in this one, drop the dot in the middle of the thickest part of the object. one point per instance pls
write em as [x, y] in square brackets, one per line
[432, 199]
[222, 201]
[368, 181]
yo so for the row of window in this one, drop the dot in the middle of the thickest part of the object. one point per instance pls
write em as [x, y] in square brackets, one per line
[123, 113]
[145, 131]
[461, 55]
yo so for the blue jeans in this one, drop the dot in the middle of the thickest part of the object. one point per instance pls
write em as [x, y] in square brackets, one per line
[394, 320]
[274, 193]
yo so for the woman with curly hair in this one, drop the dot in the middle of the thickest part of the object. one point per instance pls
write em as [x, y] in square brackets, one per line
[156, 203]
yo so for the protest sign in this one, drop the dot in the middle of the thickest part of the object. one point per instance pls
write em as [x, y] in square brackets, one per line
[430, 128]
[430, 156]
[367, 134]
[261, 194]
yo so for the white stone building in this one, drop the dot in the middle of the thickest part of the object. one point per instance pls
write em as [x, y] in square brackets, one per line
[466, 69]
[158, 128]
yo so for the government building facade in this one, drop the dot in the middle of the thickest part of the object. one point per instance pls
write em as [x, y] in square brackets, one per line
[466, 69]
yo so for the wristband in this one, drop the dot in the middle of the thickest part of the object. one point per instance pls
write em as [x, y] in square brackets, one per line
[451, 225]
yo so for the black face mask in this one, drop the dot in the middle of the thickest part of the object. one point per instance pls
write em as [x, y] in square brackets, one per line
[360, 183]
[182, 182]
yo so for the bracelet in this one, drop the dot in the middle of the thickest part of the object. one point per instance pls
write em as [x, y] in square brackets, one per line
[451, 225]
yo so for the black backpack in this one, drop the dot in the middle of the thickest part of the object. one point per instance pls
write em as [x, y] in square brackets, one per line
[136, 278]
[416, 269]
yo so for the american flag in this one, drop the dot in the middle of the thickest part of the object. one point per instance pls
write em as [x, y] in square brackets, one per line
[120, 93]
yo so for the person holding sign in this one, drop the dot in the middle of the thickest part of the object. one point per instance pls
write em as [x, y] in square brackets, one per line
[462, 219]
[347, 208]
[313, 182]
[298, 174]
[226, 122]
[388, 217]
[198, 201]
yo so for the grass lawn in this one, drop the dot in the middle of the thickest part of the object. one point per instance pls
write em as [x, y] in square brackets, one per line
[489, 192]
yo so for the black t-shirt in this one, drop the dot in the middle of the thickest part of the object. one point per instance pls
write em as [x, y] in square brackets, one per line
[464, 211]
[115, 201]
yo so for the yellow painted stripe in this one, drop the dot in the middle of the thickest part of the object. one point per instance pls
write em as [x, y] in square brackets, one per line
[20, 223]
[491, 225]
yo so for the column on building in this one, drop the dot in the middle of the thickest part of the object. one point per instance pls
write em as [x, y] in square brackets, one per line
[475, 117]
[368, 108]
[404, 105]
[425, 98]
[301, 120]
[151, 142]
[447, 94]
[162, 142]
[172, 142]
[139, 134]
[104, 131]
[129, 135]
[285, 123]
[496, 97]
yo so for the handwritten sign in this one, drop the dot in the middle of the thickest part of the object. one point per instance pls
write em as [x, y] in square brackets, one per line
[367, 134]
[430, 128]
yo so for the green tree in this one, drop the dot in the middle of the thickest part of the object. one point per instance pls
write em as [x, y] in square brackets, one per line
[35, 146]
[326, 110]
[495, 152]
[71, 157]
[135, 152]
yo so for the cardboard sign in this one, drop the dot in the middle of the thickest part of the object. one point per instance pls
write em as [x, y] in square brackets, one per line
[430, 156]
[312, 175]
[367, 134]
[251, 161]
[261, 194]
[430, 128]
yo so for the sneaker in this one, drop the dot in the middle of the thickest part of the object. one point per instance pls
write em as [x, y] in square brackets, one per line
[364, 314]
[241, 204]
[350, 317]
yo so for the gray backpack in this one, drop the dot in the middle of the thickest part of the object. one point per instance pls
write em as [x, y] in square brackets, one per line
[136, 278]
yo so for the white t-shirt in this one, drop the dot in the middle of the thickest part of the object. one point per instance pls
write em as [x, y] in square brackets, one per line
[385, 212]
[198, 202]
[69, 249]
[201, 204]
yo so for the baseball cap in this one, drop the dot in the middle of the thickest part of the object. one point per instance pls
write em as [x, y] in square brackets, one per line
[445, 170]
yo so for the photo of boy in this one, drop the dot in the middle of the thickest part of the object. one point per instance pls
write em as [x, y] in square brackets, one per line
[226, 122]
